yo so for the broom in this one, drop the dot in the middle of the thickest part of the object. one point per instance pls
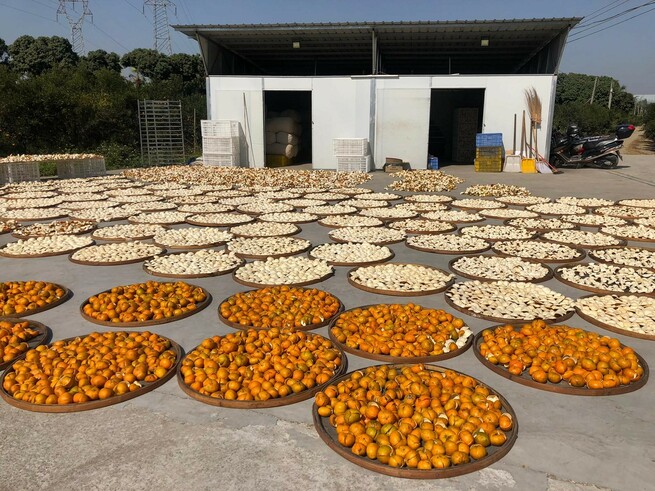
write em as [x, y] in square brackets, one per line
[534, 109]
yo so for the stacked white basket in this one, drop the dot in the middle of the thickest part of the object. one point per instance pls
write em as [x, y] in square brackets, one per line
[221, 143]
[352, 154]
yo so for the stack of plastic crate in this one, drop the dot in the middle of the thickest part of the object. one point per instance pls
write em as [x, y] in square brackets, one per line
[352, 154]
[19, 172]
[489, 152]
[221, 143]
[78, 168]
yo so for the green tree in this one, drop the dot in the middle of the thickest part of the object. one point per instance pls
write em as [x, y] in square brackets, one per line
[192, 71]
[148, 62]
[649, 121]
[101, 60]
[578, 87]
[4, 51]
[35, 56]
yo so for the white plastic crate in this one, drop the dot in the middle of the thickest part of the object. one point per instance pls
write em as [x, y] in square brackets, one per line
[19, 172]
[346, 163]
[222, 145]
[227, 160]
[219, 128]
[350, 147]
[79, 168]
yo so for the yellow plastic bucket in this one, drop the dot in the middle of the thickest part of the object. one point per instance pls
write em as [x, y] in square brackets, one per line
[529, 166]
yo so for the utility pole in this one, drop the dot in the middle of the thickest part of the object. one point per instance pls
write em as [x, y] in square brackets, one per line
[609, 103]
[75, 21]
[160, 24]
[593, 92]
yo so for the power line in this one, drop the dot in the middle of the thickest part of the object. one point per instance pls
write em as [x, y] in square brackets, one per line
[44, 4]
[186, 10]
[595, 24]
[28, 12]
[610, 26]
[135, 8]
[601, 11]
[111, 37]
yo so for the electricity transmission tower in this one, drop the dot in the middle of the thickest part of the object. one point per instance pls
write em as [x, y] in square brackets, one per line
[75, 20]
[160, 24]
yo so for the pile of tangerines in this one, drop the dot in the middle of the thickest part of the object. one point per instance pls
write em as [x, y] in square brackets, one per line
[258, 365]
[83, 369]
[13, 339]
[399, 330]
[280, 306]
[552, 354]
[143, 302]
[18, 297]
[410, 416]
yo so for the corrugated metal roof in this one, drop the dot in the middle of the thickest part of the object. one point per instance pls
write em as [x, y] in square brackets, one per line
[403, 47]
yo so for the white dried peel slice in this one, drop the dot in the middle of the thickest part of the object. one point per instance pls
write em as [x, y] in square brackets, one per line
[453, 216]
[283, 271]
[267, 246]
[454, 244]
[581, 238]
[202, 262]
[351, 253]
[410, 278]
[265, 229]
[128, 232]
[500, 268]
[635, 257]
[288, 217]
[536, 249]
[50, 245]
[498, 232]
[609, 277]
[557, 209]
[632, 313]
[510, 300]
[116, 252]
[192, 237]
[372, 235]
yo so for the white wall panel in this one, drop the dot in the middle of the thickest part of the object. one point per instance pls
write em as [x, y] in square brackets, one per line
[342, 108]
[243, 102]
[505, 96]
[402, 124]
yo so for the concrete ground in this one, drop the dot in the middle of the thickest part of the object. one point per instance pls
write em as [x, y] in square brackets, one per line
[165, 440]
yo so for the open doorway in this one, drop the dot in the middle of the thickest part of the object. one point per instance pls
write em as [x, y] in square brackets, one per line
[455, 118]
[288, 126]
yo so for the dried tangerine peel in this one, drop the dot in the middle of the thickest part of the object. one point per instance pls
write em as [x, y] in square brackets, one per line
[414, 417]
[142, 302]
[18, 297]
[555, 354]
[95, 367]
[401, 330]
[280, 306]
[14, 336]
[258, 365]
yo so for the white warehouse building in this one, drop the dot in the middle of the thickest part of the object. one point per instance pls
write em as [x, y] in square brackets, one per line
[410, 88]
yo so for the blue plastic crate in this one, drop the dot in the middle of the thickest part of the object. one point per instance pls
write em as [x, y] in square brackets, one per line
[489, 140]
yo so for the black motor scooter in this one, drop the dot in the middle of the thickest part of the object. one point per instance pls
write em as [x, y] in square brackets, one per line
[602, 152]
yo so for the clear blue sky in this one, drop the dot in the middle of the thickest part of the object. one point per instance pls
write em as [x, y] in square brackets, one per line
[626, 52]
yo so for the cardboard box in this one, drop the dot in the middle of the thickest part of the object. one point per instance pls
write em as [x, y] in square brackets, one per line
[390, 168]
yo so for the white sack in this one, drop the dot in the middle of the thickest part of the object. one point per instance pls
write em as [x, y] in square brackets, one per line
[286, 138]
[289, 151]
[281, 124]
